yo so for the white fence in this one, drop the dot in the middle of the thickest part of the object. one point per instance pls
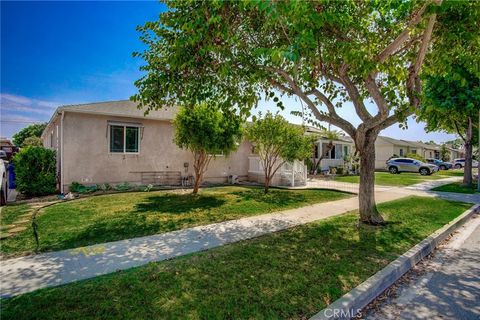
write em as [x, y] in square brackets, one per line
[291, 174]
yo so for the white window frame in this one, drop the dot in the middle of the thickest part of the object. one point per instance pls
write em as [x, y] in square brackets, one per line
[124, 125]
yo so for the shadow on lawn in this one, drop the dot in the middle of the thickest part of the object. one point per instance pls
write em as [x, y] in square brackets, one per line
[288, 274]
[280, 197]
[178, 203]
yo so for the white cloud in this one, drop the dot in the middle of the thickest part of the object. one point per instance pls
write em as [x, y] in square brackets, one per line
[19, 105]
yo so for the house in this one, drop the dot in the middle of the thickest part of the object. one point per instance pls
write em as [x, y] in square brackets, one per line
[9, 148]
[114, 142]
[386, 147]
[342, 147]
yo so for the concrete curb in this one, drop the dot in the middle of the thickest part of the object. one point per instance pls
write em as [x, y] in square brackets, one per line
[354, 301]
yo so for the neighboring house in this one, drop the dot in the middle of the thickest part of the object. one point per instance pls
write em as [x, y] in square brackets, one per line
[386, 147]
[114, 142]
[455, 153]
[335, 157]
[9, 148]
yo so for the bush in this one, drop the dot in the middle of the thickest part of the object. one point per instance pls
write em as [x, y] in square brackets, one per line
[35, 169]
[32, 142]
[124, 186]
[76, 187]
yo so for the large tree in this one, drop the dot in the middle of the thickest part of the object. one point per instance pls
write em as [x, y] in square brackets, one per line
[451, 103]
[276, 142]
[329, 54]
[207, 131]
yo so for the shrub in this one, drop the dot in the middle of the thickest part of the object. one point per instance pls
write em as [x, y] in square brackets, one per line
[32, 142]
[35, 169]
[124, 186]
[80, 188]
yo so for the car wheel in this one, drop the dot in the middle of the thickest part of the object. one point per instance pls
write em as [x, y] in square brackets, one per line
[458, 166]
[424, 172]
[442, 167]
[393, 170]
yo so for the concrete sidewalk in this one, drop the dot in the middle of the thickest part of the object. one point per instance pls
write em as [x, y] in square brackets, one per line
[25, 274]
[445, 287]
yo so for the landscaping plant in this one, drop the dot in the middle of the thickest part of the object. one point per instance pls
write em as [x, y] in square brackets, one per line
[277, 142]
[35, 169]
[207, 131]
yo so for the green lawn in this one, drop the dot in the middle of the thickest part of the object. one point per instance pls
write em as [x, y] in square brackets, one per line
[11, 213]
[388, 179]
[286, 275]
[457, 187]
[121, 216]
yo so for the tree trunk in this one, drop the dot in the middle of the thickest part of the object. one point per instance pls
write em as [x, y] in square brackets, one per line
[366, 195]
[201, 160]
[467, 173]
[267, 185]
[198, 182]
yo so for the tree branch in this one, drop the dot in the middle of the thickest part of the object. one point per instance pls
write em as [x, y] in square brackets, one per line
[295, 89]
[357, 100]
[402, 37]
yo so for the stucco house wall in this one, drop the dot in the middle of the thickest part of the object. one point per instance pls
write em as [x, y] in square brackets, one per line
[87, 158]
[383, 151]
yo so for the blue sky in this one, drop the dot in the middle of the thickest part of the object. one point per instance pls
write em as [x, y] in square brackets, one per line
[55, 53]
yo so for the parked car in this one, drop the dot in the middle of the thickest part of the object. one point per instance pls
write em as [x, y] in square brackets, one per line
[460, 163]
[442, 165]
[397, 165]
[3, 179]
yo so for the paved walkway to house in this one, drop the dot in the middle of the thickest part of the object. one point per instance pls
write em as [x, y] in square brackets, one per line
[25, 274]
[446, 286]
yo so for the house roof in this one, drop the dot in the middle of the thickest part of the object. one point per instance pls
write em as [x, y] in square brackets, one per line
[342, 137]
[121, 108]
[398, 142]
[414, 144]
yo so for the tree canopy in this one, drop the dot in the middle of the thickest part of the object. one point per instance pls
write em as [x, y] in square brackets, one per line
[328, 54]
[277, 141]
[206, 131]
[34, 130]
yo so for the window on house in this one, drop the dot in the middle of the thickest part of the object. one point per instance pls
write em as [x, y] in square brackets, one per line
[124, 139]
[51, 139]
[315, 154]
[345, 150]
[401, 152]
[414, 151]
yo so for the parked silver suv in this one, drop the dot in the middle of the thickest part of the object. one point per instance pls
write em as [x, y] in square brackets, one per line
[397, 165]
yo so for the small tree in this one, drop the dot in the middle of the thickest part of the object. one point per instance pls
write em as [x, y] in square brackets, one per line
[276, 142]
[34, 130]
[35, 170]
[32, 141]
[206, 131]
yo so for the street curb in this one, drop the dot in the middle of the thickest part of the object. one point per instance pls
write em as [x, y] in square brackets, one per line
[354, 301]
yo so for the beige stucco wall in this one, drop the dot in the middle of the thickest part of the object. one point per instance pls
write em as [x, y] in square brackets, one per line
[87, 158]
[383, 151]
[51, 138]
